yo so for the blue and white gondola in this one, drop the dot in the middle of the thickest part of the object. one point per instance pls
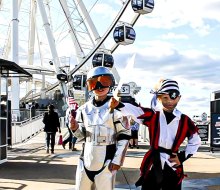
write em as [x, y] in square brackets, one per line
[124, 34]
[102, 59]
[142, 6]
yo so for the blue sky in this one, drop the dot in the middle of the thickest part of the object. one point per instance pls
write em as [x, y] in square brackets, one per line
[178, 40]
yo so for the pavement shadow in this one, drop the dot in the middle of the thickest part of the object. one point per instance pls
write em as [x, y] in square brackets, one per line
[202, 181]
[36, 168]
[12, 186]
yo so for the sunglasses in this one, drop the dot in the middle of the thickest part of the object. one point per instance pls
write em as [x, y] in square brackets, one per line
[106, 81]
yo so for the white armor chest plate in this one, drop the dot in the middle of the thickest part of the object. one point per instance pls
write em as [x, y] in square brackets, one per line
[100, 132]
[99, 125]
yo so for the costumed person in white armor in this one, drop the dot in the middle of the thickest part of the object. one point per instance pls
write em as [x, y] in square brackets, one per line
[162, 165]
[105, 134]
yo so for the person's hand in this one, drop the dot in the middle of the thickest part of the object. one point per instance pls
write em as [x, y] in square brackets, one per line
[113, 103]
[113, 167]
[175, 160]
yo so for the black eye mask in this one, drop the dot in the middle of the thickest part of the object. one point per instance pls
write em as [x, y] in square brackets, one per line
[173, 94]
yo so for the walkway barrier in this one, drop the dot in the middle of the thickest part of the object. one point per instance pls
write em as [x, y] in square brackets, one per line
[22, 131]
[23, 114]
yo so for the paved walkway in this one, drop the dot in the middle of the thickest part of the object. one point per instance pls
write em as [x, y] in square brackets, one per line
[30, 168]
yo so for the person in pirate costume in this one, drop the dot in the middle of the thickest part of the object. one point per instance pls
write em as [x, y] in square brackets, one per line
[105, 134]
[162, 165]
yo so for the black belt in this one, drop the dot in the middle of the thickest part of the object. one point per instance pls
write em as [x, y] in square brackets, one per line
[157, 162]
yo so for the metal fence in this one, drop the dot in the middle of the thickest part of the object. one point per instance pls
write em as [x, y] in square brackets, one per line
[22, 131]
[28, 124]
[25, 124]
[24, 115]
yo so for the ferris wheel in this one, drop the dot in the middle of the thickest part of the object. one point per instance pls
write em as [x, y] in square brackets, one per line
[65, 38]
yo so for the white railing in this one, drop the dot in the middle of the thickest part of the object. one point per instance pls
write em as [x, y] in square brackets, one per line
[22, 131]
[23, 115]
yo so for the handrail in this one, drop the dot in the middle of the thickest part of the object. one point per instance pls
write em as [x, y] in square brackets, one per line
[22, 131]
[24, 115]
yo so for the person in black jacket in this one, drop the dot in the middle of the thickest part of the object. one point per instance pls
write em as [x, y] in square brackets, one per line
[52, 125]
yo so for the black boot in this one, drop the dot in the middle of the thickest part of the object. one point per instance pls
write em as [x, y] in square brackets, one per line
[63, 144]
[70, 145]
[73, 147]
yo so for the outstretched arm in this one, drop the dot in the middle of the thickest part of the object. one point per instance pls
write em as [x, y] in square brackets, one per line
[126, 109]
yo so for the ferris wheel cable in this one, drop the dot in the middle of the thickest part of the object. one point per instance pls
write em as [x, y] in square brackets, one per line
[76, 7]
[63, 11]
[73, 27]
[61, 25]
[64, 22]
[61, 39]
[70, 25]
[93, 6]
[89, 11]
[84, 11]
[101, 40]
[62, 32]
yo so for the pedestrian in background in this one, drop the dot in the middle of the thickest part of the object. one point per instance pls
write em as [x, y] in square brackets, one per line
[71, 110]
[52, 125]
[134, 134]
[33, 109]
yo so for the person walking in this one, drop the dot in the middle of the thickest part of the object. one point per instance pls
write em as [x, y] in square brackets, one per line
[134, 134]
[52, 125]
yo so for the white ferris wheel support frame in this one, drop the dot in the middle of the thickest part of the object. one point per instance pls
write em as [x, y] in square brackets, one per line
[91, 26]
[97, 46]
[52, 45]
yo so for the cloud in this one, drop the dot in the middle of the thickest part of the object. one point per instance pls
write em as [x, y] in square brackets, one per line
[172, 14]
[197, 72]
[172, 36]
[105, 10]
[164, 58]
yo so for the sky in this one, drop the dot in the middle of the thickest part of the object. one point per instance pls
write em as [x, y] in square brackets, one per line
[177, 40]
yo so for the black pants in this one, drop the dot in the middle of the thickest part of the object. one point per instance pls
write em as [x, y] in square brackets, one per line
[170, 180]
[69, 138]
[50, 140]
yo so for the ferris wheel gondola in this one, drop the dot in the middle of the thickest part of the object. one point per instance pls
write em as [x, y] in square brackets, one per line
[142, 6]
[124, 34]
[103, 58]
[79, 81]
